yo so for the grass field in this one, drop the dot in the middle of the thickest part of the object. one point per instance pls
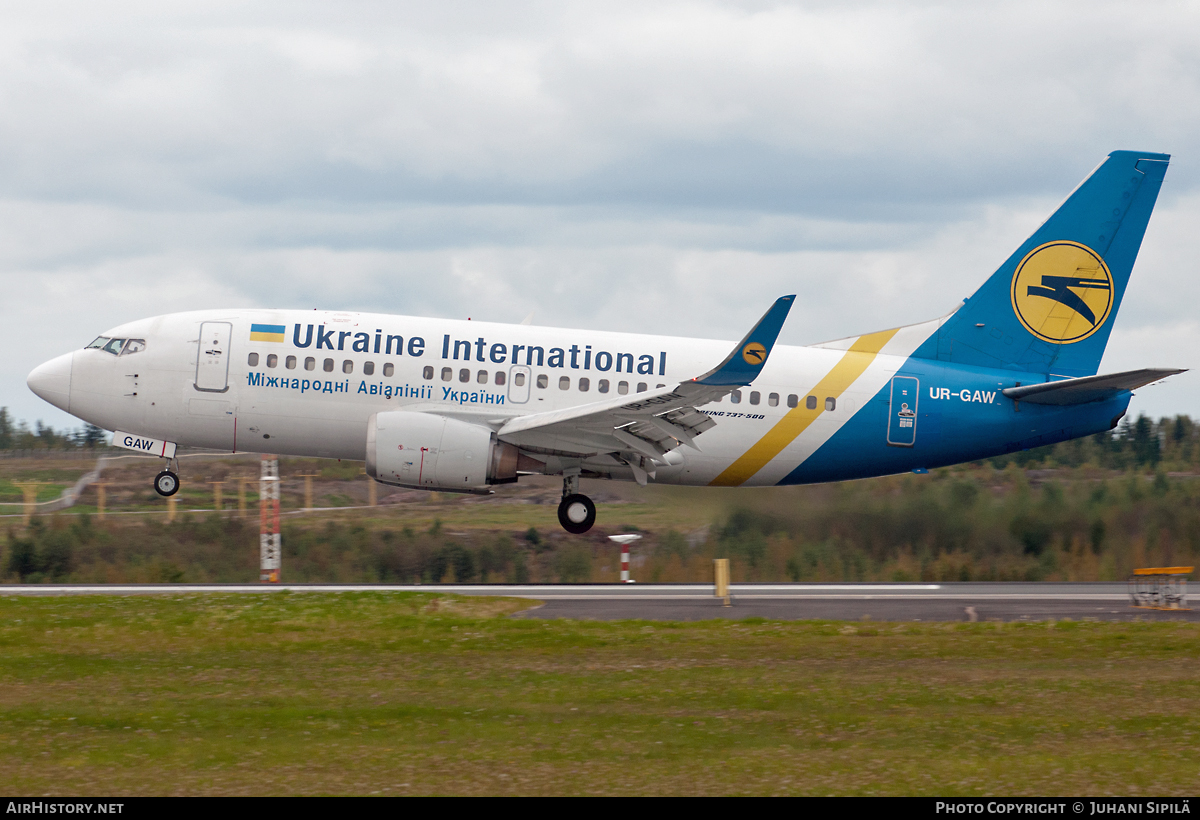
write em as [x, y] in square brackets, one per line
[418, 693]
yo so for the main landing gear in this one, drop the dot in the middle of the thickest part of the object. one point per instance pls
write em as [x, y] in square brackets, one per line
[576, 512]
[166, 483]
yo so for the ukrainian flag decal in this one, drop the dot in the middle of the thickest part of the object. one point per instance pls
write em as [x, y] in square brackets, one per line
[267, 333]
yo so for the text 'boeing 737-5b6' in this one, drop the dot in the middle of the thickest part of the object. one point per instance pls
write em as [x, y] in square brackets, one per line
[461, 406]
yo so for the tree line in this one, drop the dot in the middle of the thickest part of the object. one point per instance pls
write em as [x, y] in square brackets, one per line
[18, 435]
[969, 523]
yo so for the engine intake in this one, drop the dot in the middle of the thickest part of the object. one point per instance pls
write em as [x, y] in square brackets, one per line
[431, 452]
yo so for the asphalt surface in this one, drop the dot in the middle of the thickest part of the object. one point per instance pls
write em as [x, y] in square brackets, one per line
[690, 602]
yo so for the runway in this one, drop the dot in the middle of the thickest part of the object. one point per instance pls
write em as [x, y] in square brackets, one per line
[689, 602]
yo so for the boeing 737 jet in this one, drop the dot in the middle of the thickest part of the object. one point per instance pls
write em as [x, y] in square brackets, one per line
[463, 406]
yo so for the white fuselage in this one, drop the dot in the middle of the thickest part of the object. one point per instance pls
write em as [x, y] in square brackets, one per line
[311, 392]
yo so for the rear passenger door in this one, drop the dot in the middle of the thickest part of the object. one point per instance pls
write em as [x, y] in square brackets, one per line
[902, 416]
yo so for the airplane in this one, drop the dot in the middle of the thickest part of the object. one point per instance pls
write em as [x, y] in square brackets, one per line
[466, 406]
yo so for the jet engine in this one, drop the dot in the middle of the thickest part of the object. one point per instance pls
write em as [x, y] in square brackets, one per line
[431, 452]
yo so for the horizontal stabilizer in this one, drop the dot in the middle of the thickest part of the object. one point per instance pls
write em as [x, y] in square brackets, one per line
[1087, 388]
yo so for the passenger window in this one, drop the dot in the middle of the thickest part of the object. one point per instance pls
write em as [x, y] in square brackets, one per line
[347, 366]
[482, 377]
[447, 374]
[426, 374]
[585, 385]
[290, 363]
[327, 365]
[658, 386]
[389, 370]
[602, 386]
[773, 400]
[134, 346]
[543, 381]
[755, 396]
[368, 368]
[499, 377]
[564, 382]
[464, 375]
[736, 397]
[641, 387]
[272, 360]
[519, 379]
[622, 387]
[310, 363]
[810, 402]
[252, 360]
[830, 403]
[793, 400]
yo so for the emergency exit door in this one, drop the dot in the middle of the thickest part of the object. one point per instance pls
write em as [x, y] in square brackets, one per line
[518, 384]
[212, 358]
[902, 415]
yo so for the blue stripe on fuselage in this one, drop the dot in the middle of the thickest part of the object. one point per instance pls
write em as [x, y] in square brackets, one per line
[949, 428]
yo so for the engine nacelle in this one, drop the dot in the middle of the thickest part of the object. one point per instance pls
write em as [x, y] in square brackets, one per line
[431, 452]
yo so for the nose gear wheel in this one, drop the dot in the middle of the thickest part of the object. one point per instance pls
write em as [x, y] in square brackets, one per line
[166, 483]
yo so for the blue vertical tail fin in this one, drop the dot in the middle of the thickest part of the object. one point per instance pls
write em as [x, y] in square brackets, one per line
[1050, 307]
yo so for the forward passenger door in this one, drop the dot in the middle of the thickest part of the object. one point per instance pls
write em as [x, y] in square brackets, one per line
[212, 357]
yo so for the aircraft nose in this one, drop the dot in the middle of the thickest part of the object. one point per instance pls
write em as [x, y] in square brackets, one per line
[52, 381]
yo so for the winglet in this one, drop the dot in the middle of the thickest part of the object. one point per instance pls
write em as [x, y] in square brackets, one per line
[747, 360]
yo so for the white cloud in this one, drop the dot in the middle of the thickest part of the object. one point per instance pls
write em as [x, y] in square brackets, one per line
[667, 167]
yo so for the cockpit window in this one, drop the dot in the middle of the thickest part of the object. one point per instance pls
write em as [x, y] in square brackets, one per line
[112, 346]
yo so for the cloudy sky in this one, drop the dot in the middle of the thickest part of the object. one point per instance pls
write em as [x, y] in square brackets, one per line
[660, 167]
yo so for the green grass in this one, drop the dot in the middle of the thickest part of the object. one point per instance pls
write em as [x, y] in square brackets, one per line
[399, 693]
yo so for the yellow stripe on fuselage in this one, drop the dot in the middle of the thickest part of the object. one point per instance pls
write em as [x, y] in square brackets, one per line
[259, 336]
[844, 373]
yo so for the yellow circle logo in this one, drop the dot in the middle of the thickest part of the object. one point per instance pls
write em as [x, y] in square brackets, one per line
[1062, 292]
[754, 354]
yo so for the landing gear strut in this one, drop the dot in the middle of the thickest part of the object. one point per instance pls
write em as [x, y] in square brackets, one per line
[576, 512]
[166, 483]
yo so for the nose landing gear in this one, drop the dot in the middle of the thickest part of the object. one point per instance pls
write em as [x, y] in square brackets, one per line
[576, 512]
[166, 483]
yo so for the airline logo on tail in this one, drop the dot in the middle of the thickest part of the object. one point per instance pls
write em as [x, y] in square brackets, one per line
[1062, 292]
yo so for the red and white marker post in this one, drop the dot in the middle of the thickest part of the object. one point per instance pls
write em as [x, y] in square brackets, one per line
[270, 542]
[625, 541]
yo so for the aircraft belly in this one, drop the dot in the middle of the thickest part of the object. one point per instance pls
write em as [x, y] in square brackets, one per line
[303, 426]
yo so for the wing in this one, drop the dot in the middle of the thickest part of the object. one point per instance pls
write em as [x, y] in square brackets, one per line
[651, 424]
